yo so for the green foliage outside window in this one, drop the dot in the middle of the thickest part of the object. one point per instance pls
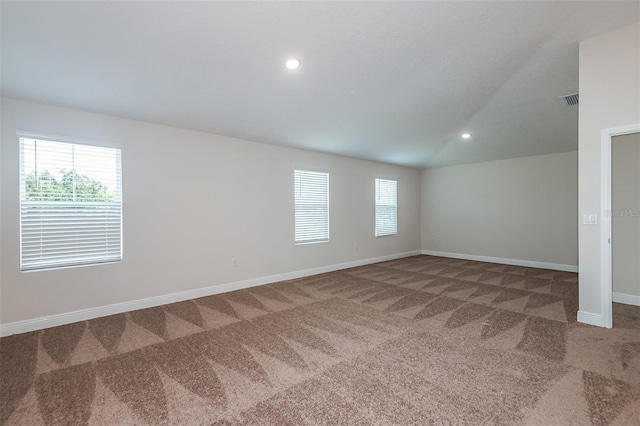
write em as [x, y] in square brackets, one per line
[71, 187]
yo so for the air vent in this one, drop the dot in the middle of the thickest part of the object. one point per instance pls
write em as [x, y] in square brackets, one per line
[570, 99]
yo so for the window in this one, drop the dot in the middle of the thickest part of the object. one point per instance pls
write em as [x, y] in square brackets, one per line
[312, 206]
[386, 207]
[70, 204]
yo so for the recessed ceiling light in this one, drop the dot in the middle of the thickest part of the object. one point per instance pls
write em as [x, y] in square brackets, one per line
[292, 64]
[466, 135]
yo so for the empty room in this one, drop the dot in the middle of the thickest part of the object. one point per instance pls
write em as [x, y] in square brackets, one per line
[320, 212]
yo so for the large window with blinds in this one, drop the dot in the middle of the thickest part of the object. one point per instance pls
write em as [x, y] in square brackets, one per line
[311, 206]
[70, 204]
[386, 207]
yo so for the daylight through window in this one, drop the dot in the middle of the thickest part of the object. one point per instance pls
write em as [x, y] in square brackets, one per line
[386, 207]
[311, 206]
[70, 204]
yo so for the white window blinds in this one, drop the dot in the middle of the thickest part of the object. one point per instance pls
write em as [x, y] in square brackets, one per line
[70, 204]
[312, 206]
[386, 207]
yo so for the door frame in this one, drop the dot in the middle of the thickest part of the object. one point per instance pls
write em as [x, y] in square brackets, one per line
[606, 288]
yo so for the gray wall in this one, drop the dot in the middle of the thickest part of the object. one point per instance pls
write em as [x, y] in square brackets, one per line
[609, 98]
[523, 209]
[192, 202]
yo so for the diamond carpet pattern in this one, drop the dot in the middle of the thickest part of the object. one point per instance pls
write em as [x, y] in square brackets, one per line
[413, 341]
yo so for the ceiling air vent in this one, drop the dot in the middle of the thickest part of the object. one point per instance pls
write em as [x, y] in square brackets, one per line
[570, 99]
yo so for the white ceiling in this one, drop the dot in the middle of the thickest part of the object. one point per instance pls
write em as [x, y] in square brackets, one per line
[391, 81]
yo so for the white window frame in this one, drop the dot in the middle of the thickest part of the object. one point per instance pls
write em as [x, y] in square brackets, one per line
[110, 210]
[314, 203]
[383, 227]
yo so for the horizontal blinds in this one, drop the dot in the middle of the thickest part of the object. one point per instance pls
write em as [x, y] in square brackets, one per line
[70, 204]
[311, 206]
[386, 207]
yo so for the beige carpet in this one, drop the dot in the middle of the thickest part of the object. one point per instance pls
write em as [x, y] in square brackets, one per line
[413, 341]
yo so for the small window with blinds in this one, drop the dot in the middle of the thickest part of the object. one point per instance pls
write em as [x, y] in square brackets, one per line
[386, 207]
[70, 204]
[312, 206]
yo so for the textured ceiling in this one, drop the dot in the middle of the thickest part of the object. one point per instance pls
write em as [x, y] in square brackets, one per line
[391, 81]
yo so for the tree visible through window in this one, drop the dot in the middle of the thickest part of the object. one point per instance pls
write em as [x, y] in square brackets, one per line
[70, 187]
[70, 204]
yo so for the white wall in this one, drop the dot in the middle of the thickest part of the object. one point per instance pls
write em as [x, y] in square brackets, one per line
[609, 98]
[192, 202]
[625, 218]
[521, 209]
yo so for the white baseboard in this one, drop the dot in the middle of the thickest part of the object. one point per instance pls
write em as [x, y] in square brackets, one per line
[627, 299]
[591, 318]
[149, 302]
[515, 262]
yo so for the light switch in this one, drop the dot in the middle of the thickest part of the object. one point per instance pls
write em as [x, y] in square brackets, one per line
[590, 219]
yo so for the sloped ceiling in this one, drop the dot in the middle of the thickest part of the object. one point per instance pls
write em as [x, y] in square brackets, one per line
[396, 82]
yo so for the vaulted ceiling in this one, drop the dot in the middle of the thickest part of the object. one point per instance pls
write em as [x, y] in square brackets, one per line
[397, 82]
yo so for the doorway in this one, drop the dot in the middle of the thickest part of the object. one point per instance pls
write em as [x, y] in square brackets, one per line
[620, 232]
[625, 227]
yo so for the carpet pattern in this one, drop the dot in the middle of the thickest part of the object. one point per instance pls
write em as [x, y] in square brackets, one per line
[419, 340]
